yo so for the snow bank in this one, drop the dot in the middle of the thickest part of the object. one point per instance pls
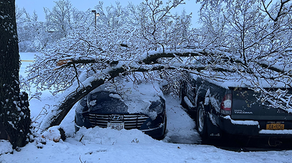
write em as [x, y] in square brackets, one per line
[52, 133]
[5, 147]
[107, 136]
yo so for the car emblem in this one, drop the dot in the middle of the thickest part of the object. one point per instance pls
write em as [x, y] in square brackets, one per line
[116, 117]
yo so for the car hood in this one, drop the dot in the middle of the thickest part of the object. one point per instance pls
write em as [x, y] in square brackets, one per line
[104, 102]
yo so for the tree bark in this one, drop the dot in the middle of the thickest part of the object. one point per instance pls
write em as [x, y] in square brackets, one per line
[59, 111]
[14, 111]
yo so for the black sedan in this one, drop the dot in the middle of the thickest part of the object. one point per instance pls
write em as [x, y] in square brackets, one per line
[123, 109]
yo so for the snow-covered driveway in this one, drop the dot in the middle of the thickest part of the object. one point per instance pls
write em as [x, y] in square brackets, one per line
[181, 128]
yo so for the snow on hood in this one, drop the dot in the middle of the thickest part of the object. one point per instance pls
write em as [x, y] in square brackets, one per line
[137, 96]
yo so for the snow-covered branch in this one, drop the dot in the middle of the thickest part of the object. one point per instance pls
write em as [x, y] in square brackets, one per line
[238, 38]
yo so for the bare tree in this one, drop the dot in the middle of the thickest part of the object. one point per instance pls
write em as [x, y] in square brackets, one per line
[32, 34]
[59, 20]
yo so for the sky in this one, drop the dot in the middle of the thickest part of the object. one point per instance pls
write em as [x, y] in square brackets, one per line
[38, 5]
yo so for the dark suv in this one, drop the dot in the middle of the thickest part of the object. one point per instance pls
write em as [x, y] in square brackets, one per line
[127, 107]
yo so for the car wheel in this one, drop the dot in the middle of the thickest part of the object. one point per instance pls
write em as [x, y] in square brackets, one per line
[201, 121]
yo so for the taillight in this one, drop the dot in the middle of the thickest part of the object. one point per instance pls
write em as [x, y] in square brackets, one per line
[226, 104]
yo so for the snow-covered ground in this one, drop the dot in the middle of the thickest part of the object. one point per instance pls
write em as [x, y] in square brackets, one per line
[106, 145]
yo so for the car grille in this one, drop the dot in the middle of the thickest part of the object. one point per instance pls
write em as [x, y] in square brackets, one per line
[131, 121]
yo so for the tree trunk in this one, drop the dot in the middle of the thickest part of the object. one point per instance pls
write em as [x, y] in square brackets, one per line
[59, 111]
[14, 111]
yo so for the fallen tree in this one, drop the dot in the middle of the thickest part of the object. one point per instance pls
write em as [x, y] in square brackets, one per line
[247, 41]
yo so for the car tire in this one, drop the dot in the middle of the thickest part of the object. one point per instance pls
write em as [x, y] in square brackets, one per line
[201, 121]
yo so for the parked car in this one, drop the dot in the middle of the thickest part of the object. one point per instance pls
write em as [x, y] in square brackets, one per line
[124, 105]
[230, 108]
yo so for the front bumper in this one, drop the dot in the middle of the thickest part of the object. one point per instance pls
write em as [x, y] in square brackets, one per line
[154, 128]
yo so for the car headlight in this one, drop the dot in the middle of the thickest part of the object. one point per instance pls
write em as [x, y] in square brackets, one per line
[157, 106]
[82, 106]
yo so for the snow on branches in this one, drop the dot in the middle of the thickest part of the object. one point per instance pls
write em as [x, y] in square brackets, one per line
[238, 38]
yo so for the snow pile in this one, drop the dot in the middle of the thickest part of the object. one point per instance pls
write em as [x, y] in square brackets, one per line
[5, 147]
[53, 134]
[107, 136]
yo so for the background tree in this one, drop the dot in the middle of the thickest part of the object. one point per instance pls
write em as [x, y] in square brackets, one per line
[35, 35]
[59, 20]
[251, 39]
[14, 111]
[32, 34]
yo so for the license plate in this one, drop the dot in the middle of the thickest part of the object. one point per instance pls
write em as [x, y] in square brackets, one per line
[275, 126]
[115, 125]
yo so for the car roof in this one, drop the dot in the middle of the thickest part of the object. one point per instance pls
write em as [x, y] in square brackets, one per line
[236, 81]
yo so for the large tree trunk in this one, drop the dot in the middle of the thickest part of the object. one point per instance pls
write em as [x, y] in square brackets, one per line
[14, 112]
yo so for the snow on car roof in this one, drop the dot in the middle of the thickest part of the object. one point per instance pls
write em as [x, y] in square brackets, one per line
[234, 81]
